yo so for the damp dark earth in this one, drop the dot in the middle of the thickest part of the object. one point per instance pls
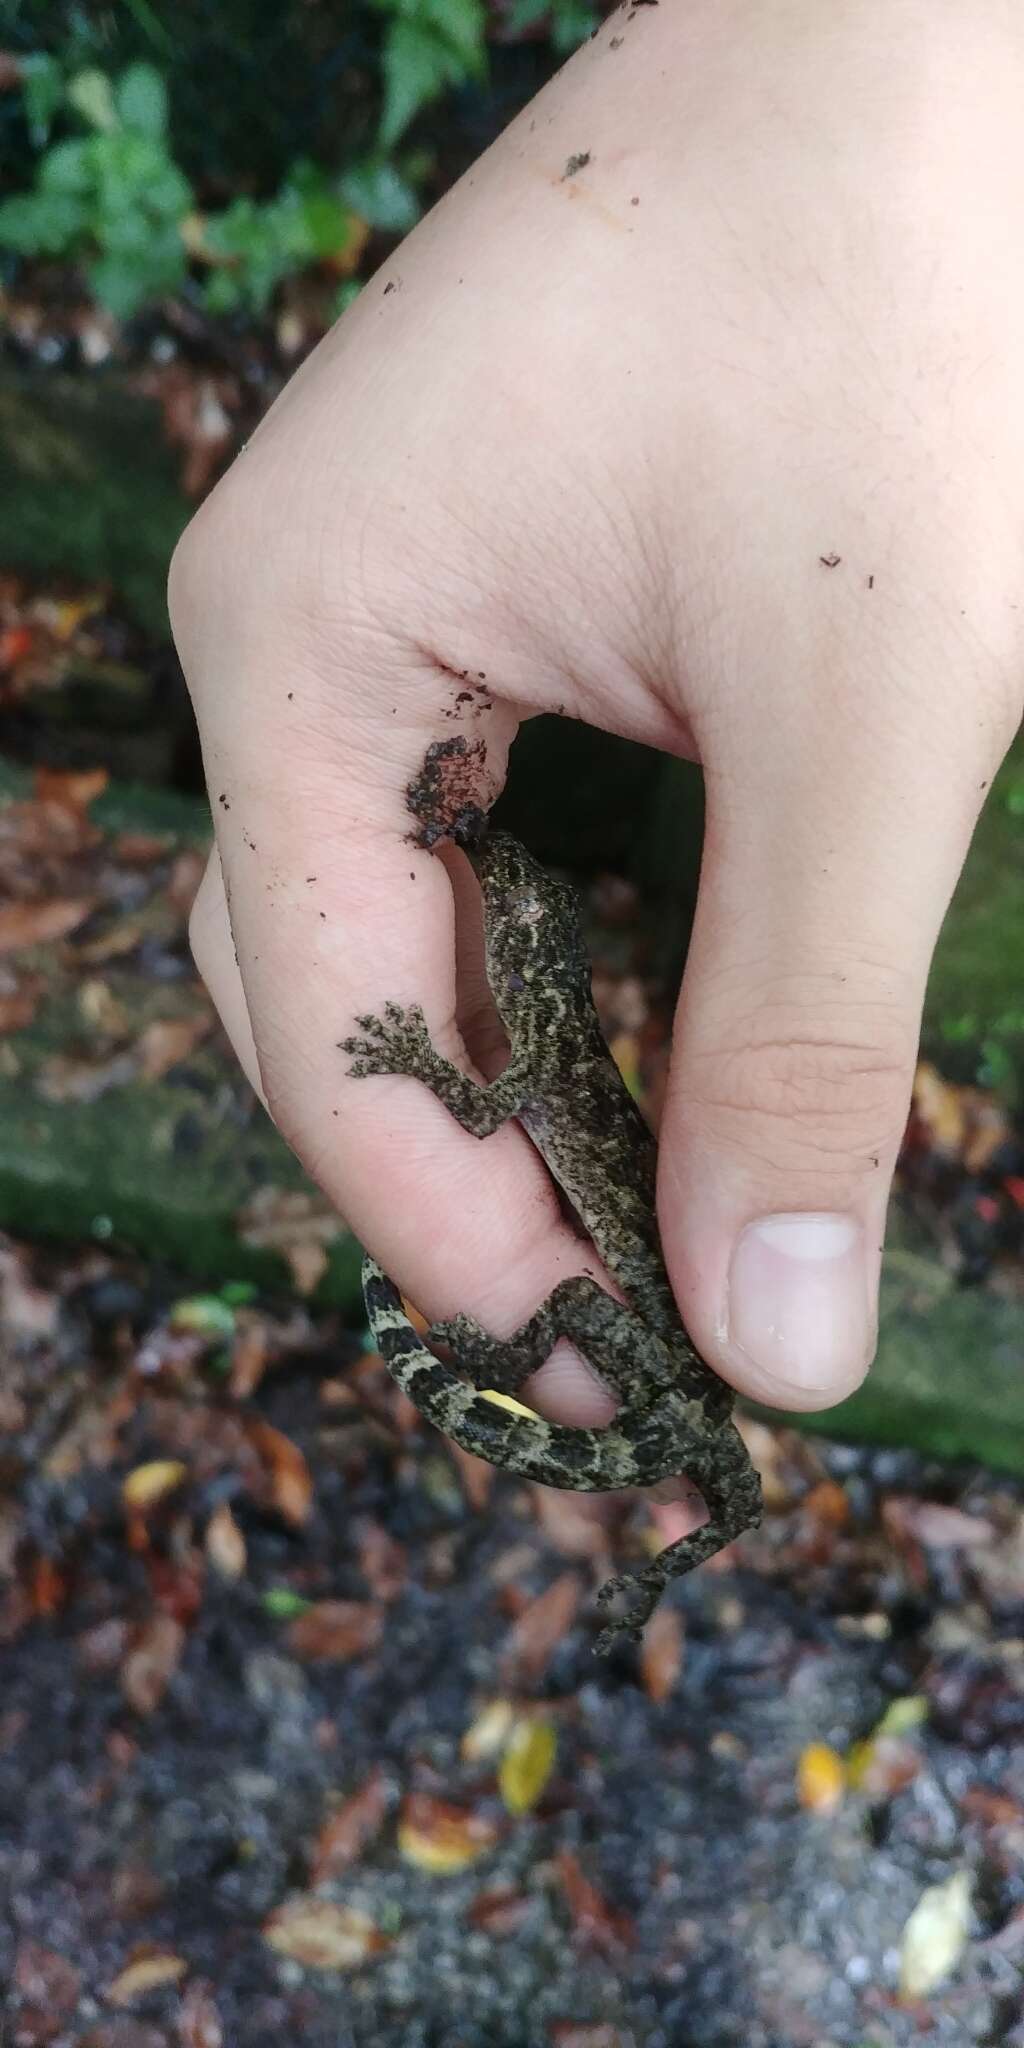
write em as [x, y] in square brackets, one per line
[301, 1733]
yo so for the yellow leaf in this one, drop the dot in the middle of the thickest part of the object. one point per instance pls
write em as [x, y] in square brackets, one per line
[225, 1543]
[321, 1935]
[148, 1969]
[488, 1733]
[147, 1484]
[526, 1764]
[442, 1839]
[509, 1401]
[935, 1936]
[820, 1778]
[902, 1716]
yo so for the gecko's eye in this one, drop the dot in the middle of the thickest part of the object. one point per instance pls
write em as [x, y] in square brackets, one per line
[515, 984]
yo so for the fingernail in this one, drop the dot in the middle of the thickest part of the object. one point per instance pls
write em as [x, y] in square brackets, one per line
[798, 1303]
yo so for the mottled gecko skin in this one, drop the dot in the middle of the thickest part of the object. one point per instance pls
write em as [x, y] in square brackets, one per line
[561, 1084]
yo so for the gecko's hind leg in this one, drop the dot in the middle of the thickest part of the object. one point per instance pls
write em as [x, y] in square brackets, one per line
[732, 1492]
[620, 1346]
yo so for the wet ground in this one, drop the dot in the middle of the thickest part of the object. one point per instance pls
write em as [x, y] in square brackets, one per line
[301, 1733]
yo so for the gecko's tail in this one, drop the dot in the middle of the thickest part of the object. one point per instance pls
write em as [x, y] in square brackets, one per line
[526, 1445]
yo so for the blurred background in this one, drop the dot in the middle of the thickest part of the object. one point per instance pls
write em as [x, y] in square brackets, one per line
[300, 1727]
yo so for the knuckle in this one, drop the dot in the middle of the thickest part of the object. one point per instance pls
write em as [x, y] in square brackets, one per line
[813, 1090]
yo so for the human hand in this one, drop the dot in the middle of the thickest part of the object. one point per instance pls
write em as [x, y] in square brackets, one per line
[594, 435]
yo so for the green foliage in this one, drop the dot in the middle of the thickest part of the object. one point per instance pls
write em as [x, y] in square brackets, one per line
[115, 149]
[429, 45]
[112, 198]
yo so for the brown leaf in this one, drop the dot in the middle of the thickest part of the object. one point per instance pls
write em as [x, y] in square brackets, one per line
[589, 2034]
[148, 1968]
[291, 1486]
[151, 1662]
[184, 879]
[594, 1921]
[46, 1979]
[661, 1653]
[382, 1561]
[323, 1936]
[198, 2021]
[476, 1474]
[225, 1543]
[344, 1837]
[993, 1809]
[169, 1040]
[336, 1630]
[827, 1503]
[39, 923]
[307, 1263]
[540, 1628]
[250, 1356]
[441, 1838]
[64, 1078]
[19, 1001]
[571, 1522]
[500, 1911]
[936, 1526]
[74, 789]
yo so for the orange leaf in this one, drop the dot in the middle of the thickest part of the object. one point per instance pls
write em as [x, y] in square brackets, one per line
[540, 1628]
[593, 1919]
[336, 1630]
[169, 1040]
[347, 1833]
[151, 1662]
[440, 1838]
[74, 789]
[225, 1543]
[661, 1652]
[39, 923]
[199, 2022]
[291, 1487]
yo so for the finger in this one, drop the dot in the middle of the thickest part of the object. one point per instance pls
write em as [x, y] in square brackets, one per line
[830, 858]
[326, 925]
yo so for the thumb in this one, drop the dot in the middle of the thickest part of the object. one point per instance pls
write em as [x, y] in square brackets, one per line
[821, 897]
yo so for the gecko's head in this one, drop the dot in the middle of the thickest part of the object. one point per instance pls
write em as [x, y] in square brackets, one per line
[536, 958]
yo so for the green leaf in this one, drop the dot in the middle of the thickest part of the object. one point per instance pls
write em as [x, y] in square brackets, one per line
[572, 21]
[91, 94]
[42, 223]
[344, 296]
[379, 194]
[42, 85]
[462, 24]
[69, 166]
[141, 98]
[526, 14]
[417, 67]
[209, 1315]
[283, 1604]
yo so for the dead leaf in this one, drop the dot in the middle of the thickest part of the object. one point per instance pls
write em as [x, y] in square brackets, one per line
[323, 1936]
[882, 1766]
[147, 1484]
[225, 1543]
[45, 1979]
[64, 1078]
[661, 1652]
[198, 2021]
[147, 1969]
[151, 1662]
[827, 1503]
[441, 1838]
[935, 1936]
[476, 1474]
[169, 1040]
[488, 1733]
[820, 1778]
[74, 789]
[39, 923]
[936, 1526]
[596, 2034]
[344, 1837]
[19, 1001]
[501, 1911]
[540, 1628]
[250, 1356]
[993, 1809]
[307, 1263]
[594, 1921]
[527, 1763]
[382, 1561]
[291, 1486]
[336, 1630]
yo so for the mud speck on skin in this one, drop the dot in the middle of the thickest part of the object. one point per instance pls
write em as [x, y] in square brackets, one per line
[575, 163]
[445, 797]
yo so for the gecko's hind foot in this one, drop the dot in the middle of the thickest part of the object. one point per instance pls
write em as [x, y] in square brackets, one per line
[643, 1590]
[397, 1042]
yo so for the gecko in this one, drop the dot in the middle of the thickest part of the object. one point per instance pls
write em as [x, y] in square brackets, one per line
[675, 1416]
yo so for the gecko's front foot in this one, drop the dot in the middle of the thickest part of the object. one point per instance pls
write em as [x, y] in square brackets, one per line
[397, 1042]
